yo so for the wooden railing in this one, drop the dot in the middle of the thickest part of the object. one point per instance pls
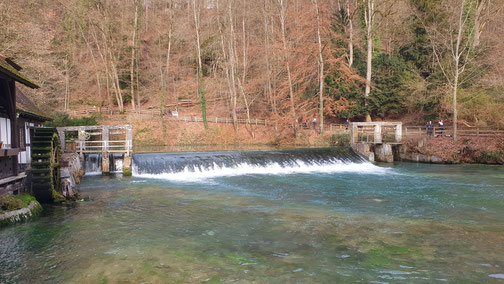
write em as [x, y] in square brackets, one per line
[411, 131]
[255, 121]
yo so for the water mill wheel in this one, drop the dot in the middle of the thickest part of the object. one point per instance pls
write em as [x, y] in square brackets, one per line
[46, 156]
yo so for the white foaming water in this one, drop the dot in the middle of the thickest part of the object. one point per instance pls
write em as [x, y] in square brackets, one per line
[273, 168]
[118, 166]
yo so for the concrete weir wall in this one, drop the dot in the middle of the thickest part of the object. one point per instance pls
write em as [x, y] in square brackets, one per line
[365, 150]
[384, 153]
[377, 152]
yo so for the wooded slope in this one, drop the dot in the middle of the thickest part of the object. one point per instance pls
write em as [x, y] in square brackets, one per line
[281, 59]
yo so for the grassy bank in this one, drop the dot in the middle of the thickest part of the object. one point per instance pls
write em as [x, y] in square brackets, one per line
[10, 202]
[17, 208]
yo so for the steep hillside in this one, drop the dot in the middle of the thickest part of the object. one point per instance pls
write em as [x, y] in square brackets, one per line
[264, 58]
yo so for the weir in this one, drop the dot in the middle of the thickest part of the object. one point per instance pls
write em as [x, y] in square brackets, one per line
[187, 166]
[103, 149]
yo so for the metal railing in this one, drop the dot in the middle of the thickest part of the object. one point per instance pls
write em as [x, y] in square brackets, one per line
[89, 147]
[376, 132]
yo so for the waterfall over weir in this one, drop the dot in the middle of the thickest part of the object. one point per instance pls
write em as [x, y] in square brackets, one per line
[93, 163]
[187, 166]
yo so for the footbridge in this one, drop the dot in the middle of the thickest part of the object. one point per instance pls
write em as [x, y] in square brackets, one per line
[110, 141]
[376, 140]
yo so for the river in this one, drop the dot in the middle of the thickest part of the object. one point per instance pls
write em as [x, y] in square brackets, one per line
[299, 216]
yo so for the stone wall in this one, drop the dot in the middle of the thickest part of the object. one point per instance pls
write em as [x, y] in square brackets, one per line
[71, 172]
[365, 150]
[20, 215]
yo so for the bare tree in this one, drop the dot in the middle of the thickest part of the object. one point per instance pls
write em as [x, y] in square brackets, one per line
[134, 51]
[283, 15]
[350, 34]
[321, 71]
[267, 55]
[369, 17]
[165, 75]
[201, 89]
[457, 43]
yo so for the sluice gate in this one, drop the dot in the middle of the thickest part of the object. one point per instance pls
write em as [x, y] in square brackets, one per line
[103, 149]
[377, 141]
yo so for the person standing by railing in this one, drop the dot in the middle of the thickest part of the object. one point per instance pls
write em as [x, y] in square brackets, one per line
[441, 127]
[430, 128]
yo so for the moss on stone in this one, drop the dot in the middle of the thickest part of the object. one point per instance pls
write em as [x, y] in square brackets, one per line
[10, 217]
[57, 197]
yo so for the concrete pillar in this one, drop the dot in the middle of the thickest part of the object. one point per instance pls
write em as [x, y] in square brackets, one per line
[354, 135]
[105, 164]
[377, 134]
[61, 134]
[81, 141]
[127, 171]
[105, 138]
[398, 133]
[129, 139]
[384, 153]
[365, 150]
[105, 153]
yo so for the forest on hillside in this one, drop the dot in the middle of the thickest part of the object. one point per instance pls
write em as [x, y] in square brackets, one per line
[280, 59]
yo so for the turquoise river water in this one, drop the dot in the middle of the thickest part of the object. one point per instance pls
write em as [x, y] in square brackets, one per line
[305, 216]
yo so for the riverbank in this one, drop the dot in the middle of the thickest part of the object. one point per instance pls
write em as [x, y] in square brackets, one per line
[17, 208]
[149, 132]
[443, 150]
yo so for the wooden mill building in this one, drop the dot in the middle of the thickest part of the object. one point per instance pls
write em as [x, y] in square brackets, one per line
[17, 115]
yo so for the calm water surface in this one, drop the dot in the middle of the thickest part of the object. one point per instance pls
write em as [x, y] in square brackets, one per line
[397, 223]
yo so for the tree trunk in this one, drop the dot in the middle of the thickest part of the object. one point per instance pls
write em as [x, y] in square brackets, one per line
[104, 60]
[115, 75]
[478, 24]
[94, 64]
[241, 83]
[350, 31]
[230, 65]
[369, 19]
[321, 71]
[287, 65]
[133, 55]
[457, 70]
[226, 70]
[167, 70]
[201, 88]
[267, 57]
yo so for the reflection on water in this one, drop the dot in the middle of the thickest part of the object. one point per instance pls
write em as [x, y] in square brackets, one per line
[414, 223]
